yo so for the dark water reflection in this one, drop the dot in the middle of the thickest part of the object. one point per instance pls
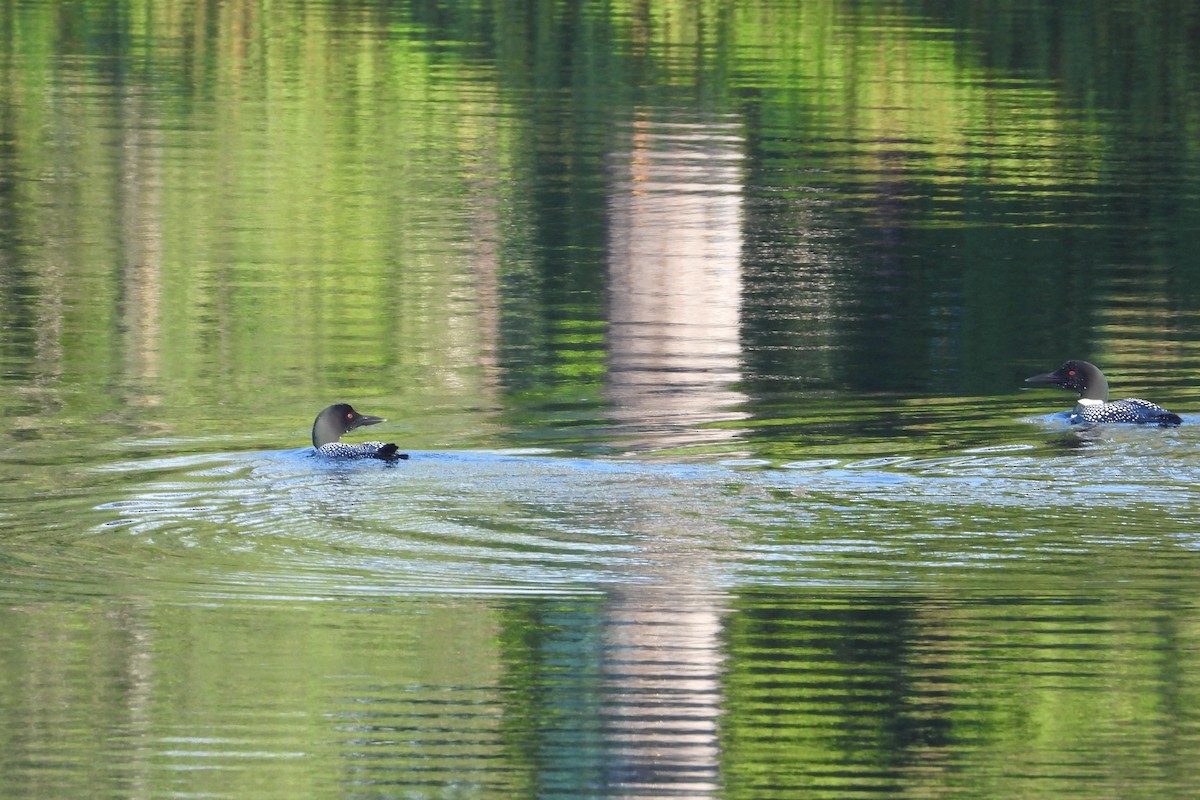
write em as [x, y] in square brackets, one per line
[925, 695]
[706, 326]
[633, 695]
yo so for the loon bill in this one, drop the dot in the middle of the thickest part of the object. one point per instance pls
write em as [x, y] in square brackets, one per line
[1094, 407]
[341, 418]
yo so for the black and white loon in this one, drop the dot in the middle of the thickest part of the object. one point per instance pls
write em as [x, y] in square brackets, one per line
[1093, 407]
[340, 419]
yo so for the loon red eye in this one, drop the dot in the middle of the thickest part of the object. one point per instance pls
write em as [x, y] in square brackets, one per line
[1071, 373]
[351, 416]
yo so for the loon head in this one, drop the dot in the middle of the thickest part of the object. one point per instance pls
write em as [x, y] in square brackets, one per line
[337, 420]
[1078, 376]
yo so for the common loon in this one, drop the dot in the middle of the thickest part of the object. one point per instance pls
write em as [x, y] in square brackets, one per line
[1093, 407]
[340, 419]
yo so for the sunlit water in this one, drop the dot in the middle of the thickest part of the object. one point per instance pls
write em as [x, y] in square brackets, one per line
[706, 330]
[285, 525]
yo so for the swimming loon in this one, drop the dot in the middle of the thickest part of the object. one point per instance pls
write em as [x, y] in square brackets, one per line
[1093, 406]
[342, 418]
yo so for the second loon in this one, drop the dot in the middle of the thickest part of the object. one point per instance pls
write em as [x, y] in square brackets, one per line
[340, 419]
[1094, 407]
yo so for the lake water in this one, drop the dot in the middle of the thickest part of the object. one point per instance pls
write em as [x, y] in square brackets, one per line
[706, 328]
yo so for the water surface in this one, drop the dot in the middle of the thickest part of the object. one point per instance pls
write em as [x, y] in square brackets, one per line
[705, 327]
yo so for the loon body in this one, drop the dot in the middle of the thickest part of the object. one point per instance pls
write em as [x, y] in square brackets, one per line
[340, 419]
[1094, 407]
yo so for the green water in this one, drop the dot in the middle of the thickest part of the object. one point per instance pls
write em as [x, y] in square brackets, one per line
[705, 325]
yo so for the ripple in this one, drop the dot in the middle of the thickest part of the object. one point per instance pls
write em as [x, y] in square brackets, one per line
[279, 524]
[875, 463]
[815, 463]
[1001, 448]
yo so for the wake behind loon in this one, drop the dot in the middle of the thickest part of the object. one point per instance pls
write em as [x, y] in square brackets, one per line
[340, 419]
[1094, 407]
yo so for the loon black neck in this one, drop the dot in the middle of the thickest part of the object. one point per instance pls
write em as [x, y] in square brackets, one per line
[325, 431]
[1095, 387]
